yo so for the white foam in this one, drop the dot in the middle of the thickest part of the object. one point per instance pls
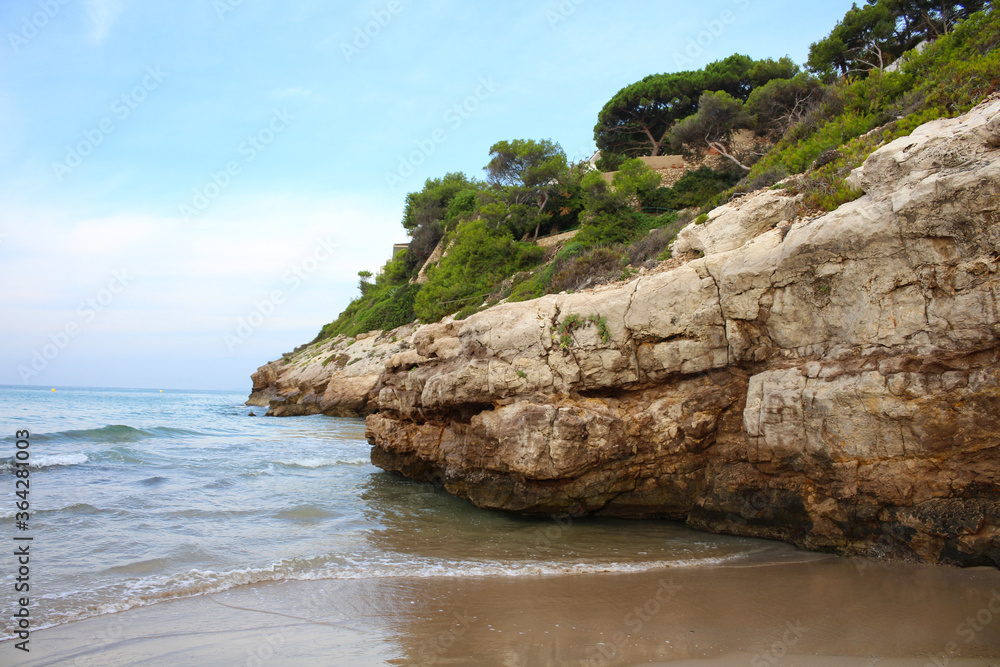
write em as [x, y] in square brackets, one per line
[152, 590]
[53, 460]
[323, 463]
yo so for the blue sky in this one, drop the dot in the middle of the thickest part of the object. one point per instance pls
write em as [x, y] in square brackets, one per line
[190, 188]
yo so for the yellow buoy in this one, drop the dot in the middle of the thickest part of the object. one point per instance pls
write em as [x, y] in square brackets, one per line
[161, 391]
[53, 390]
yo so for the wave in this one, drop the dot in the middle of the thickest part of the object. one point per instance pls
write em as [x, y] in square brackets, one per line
[48, 460]
[323, 462]
[156, 589]
[114, 433]
[77, 508]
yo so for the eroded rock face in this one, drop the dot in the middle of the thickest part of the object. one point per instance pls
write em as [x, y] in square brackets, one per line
[833, 382]
[335, 377]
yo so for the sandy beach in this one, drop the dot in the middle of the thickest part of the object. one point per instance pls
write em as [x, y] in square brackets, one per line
[817, 611]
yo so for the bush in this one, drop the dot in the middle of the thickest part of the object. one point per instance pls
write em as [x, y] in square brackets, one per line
[653, 244]
[478, 261]
[385, 304]
[610, 161]
[695, 188]
[635, 179]
[591, 268]
[620, 229]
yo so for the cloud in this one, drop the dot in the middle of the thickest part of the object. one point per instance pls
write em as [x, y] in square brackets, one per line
[103, 14]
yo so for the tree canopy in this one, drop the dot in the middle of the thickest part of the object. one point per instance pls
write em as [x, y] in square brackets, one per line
[877, 33]
[525, 171]
[719, 116]
[638, 119]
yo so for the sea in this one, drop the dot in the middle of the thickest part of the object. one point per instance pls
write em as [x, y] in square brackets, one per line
[138, 496]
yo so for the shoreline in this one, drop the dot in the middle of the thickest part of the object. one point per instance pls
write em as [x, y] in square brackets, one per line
[816, 611]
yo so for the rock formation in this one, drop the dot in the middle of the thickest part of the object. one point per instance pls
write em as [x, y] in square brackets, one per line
[832, 381]
[334, 377]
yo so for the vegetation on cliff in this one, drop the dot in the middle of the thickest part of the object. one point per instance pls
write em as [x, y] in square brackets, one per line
[807, 130]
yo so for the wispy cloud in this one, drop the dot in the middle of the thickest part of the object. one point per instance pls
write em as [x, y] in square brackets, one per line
[103, 14]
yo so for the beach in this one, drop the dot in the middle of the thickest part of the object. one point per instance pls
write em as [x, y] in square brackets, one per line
[174, 529]
[812, 610]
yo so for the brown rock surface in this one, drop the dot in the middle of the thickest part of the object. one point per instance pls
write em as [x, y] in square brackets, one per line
[833, 382]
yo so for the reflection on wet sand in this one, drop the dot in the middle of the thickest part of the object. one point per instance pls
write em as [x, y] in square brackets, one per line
[752, 614]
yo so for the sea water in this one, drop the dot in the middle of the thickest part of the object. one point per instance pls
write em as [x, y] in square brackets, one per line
[141, 496]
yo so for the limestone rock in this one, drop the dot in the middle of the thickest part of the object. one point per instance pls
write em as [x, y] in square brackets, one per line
[336, 377]
[833, 382]
[730, 226]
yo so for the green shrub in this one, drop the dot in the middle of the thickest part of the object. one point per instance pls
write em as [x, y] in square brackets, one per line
[694, 189]
[591, 268]
[477, 262]
[653, 244]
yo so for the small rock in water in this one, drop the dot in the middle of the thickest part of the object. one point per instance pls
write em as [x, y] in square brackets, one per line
[251, 414]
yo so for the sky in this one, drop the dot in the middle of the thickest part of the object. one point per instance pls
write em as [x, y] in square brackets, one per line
[189, 189]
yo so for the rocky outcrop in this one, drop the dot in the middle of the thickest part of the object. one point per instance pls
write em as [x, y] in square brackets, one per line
[335, 377]
[831, 381]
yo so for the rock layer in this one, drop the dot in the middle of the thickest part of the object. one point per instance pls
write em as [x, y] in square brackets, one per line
[335, 377]
[833, 382]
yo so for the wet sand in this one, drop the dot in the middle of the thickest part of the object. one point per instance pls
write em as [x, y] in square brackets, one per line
[818, 611]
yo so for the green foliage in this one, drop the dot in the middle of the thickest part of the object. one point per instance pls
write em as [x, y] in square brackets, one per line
[719, 115]
[431, 204]
[462, 204]
[828, 131]
[639, 118]
[598, 196]
[694, 189]
[602, 327]
[798, 156]
[772, 109]
[478, 260]
[569, 324]
[880, 31]
[436, 208]
[385, 304]
[619, 228]
[609, 161]
[635, 179]
[595, 266]
[948, 78]
[653, 244]
[564, 332]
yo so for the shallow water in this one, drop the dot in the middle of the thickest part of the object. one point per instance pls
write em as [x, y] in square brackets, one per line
[141, 496]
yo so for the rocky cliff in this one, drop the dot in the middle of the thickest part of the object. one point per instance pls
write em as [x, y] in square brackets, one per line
[335, 377]
[832, 381]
